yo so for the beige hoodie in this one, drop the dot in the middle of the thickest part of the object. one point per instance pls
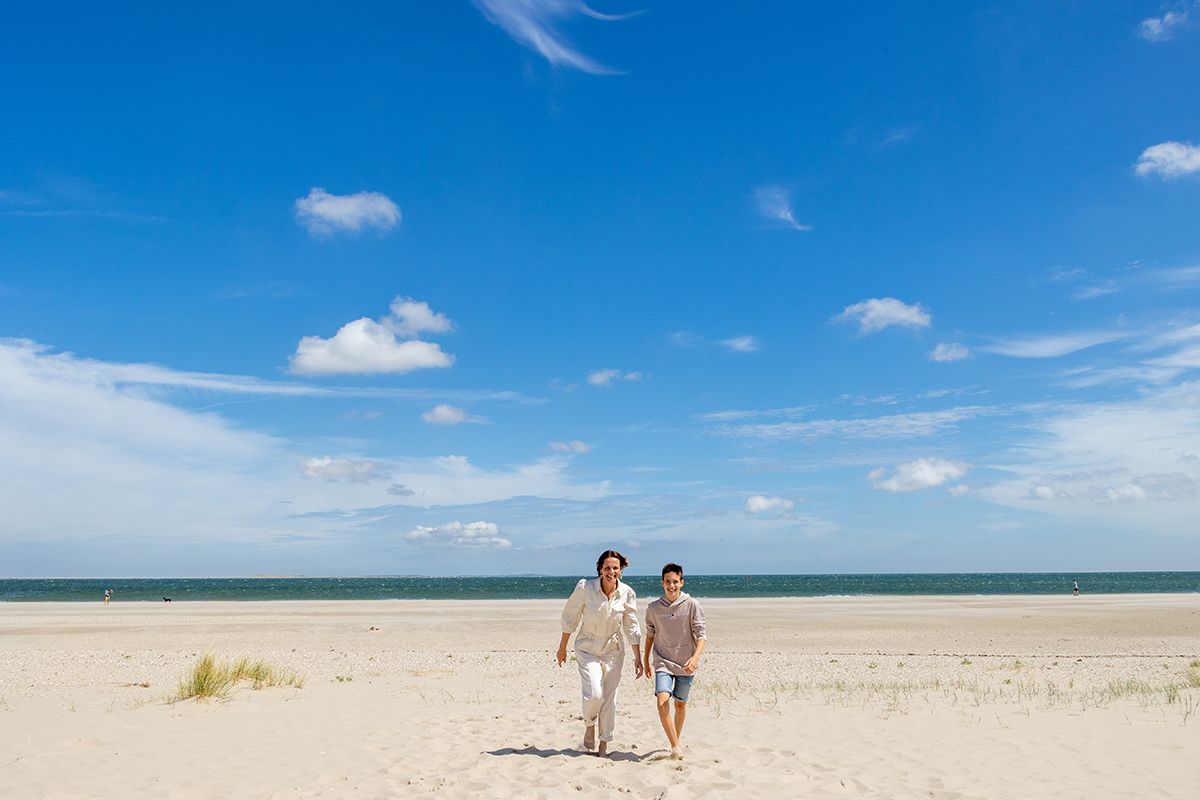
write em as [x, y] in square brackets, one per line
[676, 627]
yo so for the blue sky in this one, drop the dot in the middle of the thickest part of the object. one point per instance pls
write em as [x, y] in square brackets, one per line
[486, 287]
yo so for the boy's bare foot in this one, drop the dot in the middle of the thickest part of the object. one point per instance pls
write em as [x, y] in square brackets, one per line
[676, 754]
[603, 751]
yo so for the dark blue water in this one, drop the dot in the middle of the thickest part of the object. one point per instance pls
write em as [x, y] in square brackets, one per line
[517, 588]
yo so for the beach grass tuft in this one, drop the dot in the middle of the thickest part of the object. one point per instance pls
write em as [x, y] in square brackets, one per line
[211, 678]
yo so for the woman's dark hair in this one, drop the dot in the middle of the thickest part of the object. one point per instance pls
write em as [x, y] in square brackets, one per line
[607, 554]
[672, 568]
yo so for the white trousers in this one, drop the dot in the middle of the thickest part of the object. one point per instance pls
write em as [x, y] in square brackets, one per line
[600, 676]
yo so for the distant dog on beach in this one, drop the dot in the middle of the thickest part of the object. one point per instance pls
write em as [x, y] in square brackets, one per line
[166, 599]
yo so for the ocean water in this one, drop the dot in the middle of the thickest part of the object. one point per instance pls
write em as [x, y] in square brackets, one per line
[531, 587]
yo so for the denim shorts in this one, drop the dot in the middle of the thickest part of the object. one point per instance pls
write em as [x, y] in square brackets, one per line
[679, 686]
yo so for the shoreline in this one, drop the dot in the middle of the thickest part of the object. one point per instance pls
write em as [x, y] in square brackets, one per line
[1017, 597]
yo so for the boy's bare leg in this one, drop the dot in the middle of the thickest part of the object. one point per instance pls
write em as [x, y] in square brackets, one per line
[680, 717]
[664, 716]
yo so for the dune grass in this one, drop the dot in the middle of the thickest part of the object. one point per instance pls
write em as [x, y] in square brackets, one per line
[211, 678]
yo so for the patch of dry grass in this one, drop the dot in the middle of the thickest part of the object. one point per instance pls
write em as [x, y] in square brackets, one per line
[211, 678]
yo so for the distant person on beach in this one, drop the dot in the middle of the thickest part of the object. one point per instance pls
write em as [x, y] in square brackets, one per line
[1075, 585]
[602, 609]
[675, 638]
[107, 596]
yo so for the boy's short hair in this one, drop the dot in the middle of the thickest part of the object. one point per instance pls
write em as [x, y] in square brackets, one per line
[672, 568]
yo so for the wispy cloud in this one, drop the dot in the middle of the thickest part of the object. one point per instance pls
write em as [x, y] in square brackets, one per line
[534, 24]
[71, 198]
[1097, 290]
[924, 473]
[1134, 460]
[446, 414]
[1051, 345]
[736, 414]
[898, 135]
[1165, 27]
[775, 204]
[949, 351]
[1169, 160]
[365, 346]
[41, 358]
[740, 344]
[573, 446]
[606, 377]
[1174, 276]
[457, 534]
[735, 344]
[892, 426]
[324, 214]
[876, 314]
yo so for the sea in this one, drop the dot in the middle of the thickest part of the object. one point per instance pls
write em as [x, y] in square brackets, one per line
[540, 586]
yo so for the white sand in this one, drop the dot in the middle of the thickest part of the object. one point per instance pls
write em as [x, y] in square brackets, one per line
[998, 697]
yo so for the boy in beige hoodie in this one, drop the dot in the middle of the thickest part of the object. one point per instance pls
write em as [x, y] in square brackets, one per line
[675, 638]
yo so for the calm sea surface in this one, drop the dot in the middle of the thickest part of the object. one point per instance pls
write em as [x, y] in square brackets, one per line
[518, 588]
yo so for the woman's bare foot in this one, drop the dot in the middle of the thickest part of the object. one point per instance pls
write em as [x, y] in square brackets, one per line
[603, 751]
[589, 739]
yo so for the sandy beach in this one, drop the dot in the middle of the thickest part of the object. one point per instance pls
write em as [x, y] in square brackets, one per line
[964, 697]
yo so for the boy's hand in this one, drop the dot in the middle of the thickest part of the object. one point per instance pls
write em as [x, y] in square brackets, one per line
[646, 668]
[690, 665]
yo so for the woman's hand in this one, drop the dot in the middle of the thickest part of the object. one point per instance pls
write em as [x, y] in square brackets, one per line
[562, 654]
[637, 669]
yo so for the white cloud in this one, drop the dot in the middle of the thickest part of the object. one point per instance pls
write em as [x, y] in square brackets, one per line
[1169, 160]
[740, 344]
[445, 414]
[775, 204]
[1161, 29]
[949, 351]
[924, 473]
[573, 446]
[758, 504]
[328, 468]
[959, 490]
[365, 346]
[1052, 345]
[410, 317]
[606, 377]
[323, 213]
[533, 24]
[875, 314]
[456, 534]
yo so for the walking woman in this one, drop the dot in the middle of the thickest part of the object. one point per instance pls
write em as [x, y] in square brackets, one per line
[602, 609]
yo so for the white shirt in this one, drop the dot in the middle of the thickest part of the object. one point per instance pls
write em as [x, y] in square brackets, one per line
[603, 618]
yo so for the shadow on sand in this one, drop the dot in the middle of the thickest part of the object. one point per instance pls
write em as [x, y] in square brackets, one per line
[530, 750]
